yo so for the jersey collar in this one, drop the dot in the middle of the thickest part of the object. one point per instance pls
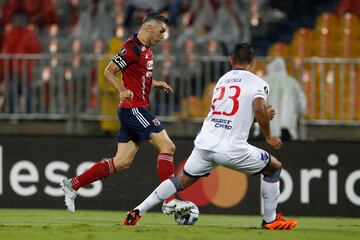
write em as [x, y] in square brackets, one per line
[237, 68]
[136, 39]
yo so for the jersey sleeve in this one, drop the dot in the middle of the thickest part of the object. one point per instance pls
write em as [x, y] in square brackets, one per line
[125, 57]
[262, 90]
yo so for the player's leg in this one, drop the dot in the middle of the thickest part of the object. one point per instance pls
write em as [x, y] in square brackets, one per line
[124, 157]
[166, 148]
[150, 128]
[102, 169]
[165, 190]
[198, 165]
[259, 161]
[270, 188]
[165, 160]
[145, 126]
[270, 191]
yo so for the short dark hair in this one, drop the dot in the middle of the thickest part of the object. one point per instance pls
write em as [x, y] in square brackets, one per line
[242, 53]
[157, 17]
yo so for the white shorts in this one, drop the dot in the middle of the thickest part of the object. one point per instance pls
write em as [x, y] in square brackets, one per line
[202, 162]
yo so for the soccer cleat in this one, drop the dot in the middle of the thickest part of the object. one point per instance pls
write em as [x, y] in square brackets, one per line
[69, 193]
[132, 217]
[280, 223]
[175, 205]
[169, 207]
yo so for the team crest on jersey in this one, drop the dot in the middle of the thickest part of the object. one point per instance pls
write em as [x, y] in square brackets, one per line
[156, 122]
[122, 52]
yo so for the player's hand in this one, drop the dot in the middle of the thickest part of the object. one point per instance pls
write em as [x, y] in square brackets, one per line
[270, 111]
[126, 94]
[164, 86]
[275, 142]
[167, 88]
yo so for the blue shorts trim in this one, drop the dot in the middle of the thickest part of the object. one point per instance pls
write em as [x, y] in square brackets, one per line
[137, 124]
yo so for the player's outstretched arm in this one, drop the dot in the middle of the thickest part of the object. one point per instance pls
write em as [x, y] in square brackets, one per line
[162, 85]
[261, 116]
[110, 73]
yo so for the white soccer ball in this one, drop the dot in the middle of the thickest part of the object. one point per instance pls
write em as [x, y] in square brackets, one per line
[188, 217]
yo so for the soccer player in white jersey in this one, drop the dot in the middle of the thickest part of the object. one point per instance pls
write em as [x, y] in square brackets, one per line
[239, 97]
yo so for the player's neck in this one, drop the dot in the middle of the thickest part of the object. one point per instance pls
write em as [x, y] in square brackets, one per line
[143, 39]
[241, 67]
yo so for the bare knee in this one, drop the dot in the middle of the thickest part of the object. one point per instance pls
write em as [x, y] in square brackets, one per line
[275, 166]
[172, 147]
[121, 164]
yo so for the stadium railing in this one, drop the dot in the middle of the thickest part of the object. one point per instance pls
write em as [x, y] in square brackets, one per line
[72, 87]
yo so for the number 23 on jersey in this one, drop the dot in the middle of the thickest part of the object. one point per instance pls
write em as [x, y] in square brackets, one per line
[233, 97]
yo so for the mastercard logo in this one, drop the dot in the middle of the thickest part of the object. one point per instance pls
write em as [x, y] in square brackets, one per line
[224, 188]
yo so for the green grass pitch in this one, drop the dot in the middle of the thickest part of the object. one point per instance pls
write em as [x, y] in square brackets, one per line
[36, 224]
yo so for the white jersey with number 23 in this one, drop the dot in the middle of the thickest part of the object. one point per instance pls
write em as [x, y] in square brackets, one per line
[226, 127]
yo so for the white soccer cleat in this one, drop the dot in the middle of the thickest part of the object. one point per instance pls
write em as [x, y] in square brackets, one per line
[169, 207]
[69, 193]
[175, 205]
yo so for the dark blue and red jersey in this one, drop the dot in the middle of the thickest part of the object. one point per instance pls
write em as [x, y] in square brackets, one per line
[136, 62]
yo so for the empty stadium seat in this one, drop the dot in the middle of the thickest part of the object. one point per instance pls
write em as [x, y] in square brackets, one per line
[279, 49]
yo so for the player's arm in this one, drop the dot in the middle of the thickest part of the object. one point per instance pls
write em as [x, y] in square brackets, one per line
[162, 85]
[110, 73]
[261, 116]
[270, 111]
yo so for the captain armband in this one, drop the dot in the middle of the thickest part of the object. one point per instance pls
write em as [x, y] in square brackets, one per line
[119, 61]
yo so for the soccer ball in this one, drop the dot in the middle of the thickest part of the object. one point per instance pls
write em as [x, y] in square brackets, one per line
[188, 217]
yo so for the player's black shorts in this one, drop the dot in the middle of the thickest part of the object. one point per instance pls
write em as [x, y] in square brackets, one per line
[137, 124]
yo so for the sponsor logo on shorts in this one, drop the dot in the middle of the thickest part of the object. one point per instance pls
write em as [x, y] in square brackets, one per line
[264, 156]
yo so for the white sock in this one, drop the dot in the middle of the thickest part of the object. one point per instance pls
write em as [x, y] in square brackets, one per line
[162, 192]
[270, 192]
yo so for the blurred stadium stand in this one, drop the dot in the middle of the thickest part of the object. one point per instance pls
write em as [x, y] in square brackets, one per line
[53, 54]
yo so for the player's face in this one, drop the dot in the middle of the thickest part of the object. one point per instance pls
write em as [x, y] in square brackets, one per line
[158, 33]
